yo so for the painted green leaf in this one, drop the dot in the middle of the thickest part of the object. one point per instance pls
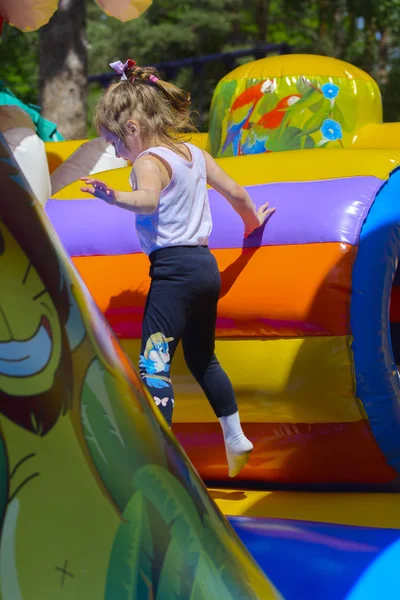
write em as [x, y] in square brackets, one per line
[177, 509]
[173, 503]
[272, 143]
[110, 443]
[199, 591]
[208, 584]
[265, 105]
[347, 119]
[216, 542]
[302, 86]
[316, 120]
[315, 107]
[130, 568]
[284, 139]
[307, 142]
[222, 99]
[309, 98]
[178, 572]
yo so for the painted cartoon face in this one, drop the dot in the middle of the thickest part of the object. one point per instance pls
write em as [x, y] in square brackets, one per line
[30, 332]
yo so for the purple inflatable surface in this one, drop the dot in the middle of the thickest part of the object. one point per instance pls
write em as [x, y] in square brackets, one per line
[307, 212]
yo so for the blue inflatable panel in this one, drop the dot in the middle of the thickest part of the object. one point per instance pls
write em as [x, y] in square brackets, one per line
[323, 561]
[377, 379]
[395, 335]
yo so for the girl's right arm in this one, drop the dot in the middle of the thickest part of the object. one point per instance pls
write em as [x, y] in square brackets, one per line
[144, 200]
[237, 196]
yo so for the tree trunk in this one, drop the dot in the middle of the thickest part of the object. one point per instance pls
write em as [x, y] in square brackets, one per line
[384, 47]
[63, 69]
[261, 11]
[351, 29]
[323, 9]
[339, 33]
[370, 44]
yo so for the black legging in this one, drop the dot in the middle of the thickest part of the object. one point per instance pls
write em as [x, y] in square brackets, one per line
[182, 305]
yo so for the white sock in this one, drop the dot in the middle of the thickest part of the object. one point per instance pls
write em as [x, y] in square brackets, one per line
[237, 446]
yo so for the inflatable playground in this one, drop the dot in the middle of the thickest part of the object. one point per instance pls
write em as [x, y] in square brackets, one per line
[98, 498]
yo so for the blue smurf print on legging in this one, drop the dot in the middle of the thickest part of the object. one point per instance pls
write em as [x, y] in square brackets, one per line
[154, 363]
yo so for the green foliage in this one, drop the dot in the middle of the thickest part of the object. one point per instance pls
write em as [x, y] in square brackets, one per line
[390, 93]
[19, 66]
[363, 32]
[168, 30]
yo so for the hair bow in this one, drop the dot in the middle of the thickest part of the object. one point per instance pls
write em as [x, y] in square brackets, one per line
[121, 68]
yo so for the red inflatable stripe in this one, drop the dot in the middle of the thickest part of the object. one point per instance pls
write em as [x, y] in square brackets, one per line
[302, 453]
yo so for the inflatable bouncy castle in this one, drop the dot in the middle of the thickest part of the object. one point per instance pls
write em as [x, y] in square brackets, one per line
[303, 324]
[94, 485]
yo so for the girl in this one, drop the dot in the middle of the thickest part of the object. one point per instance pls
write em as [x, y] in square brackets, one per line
[144, 118]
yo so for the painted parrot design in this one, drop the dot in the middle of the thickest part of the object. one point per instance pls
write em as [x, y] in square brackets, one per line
[271, 120]
[249, 97]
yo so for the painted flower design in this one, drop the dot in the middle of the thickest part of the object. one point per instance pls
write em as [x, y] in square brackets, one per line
[331, 130]
[330, 90]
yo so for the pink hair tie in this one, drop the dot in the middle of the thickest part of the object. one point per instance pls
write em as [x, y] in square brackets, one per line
[153, 79]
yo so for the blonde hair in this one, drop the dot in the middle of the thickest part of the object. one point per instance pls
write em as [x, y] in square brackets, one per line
[161, 108]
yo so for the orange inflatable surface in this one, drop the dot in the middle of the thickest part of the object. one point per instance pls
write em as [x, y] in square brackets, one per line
[255, 282]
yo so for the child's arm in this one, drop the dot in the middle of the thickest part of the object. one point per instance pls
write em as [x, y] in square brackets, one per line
[144, 200]
[237, 196]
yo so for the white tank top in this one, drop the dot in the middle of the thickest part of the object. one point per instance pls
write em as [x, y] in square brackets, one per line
[183, 216]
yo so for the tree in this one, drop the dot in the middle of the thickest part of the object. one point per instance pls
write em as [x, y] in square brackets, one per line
[169, 30]
[63, 69]
[19, 65]
[363, 32]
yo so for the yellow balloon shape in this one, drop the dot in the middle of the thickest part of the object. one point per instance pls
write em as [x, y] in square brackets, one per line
[124, 10]
[28, 15]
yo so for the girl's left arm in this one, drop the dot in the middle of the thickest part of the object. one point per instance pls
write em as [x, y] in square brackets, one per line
[144, 200]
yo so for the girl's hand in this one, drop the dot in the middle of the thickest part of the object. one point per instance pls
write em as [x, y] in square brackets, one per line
[98, 189]
[261, 216]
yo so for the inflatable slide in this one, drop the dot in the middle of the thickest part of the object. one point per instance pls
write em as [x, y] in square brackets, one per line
[97, 499]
